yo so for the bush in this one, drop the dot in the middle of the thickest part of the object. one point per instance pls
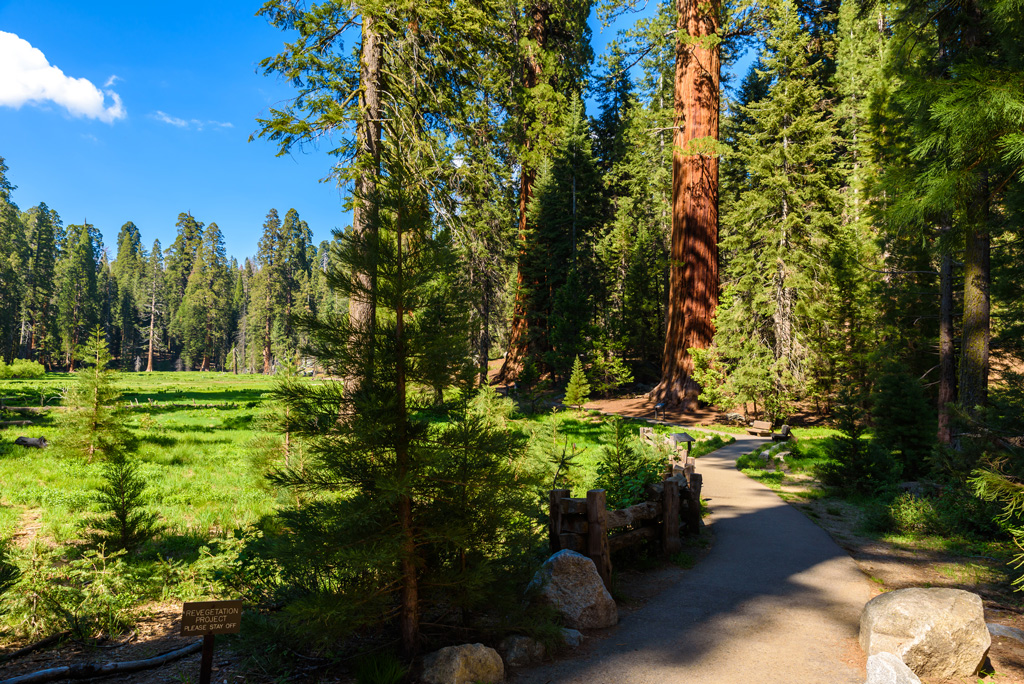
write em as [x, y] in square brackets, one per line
[855, 465]
[625, 470]
[87, 596]
[22, 369]
[903, 419]
[607, 375]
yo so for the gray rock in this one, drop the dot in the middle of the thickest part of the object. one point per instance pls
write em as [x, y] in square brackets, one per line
[887, 668]
[521, 651]
[1006, 631]
[570, 583]
[938, 633]
[572, 638]
[465, 664]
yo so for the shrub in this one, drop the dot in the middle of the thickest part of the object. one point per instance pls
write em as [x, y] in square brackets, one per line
[87, 596]
[9, 572]
[22, 369]
[855, 465]
[625, 470]
[903, 419]
[607, 375]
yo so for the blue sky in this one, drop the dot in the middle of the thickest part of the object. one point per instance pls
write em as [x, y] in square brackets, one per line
[162, 123]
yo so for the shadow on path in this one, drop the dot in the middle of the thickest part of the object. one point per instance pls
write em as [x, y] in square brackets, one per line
[775, 600]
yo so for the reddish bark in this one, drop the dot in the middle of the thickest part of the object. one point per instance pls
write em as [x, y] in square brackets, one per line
[518, 340]
[693, 266]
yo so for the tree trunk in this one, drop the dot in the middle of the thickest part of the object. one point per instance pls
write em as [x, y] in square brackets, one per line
[362, 305]
[518, 345]
[947, 361]
[974, 353]
[693, 264]
[152, 327]
[409, 618]
[266, 339]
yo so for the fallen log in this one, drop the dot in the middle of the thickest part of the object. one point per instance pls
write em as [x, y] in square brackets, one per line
[15, 422]
[88, 670]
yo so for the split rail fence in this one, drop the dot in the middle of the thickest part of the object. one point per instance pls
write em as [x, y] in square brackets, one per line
[583, 524]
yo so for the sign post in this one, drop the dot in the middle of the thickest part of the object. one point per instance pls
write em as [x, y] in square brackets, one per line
[210, 618]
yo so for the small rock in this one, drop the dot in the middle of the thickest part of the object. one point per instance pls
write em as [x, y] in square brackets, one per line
[465, 664]
[572, 638]
[887, 668]
[938, 633]
[521, 651]
[996, 629]
[570, 583]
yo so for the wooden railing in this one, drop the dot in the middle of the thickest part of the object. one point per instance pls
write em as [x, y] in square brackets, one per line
[583, 524]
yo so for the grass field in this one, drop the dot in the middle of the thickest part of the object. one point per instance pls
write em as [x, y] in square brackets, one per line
[197, 434]
[193, 458]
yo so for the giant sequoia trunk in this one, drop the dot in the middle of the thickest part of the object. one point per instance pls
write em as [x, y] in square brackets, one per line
[693, 264]
[519, 338]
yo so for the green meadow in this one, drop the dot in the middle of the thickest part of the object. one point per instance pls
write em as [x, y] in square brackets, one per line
[198, 435]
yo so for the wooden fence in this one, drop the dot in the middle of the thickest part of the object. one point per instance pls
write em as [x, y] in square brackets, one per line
[584, 524]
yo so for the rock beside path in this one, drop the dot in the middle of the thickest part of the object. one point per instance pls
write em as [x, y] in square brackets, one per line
[521, 651]
[887, 668]
[938, 633]
[465, 664]
[570, 583]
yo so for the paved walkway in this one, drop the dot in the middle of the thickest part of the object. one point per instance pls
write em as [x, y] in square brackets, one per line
[775, 600]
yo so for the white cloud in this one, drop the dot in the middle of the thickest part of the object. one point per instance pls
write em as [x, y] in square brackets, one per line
[27, 77]
[167, 118]
[190, 123]
[114, 78]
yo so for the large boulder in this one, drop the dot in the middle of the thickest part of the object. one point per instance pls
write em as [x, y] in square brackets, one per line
[887, 668]
[937, 632]
[465, 664]
[521, 651]
[569, 582]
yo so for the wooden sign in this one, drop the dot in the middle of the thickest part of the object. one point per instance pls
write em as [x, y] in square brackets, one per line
[202, 618]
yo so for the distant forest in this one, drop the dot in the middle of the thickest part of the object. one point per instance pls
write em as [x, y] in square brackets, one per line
[187, 307]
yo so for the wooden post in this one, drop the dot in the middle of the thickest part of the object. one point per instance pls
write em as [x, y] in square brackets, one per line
[206, 664]
[670, 543]
[693, 505]
[597, 535]
[555, 518]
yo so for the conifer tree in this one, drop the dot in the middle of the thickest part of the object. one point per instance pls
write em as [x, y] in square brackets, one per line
[202, 318]
[577, 392]
[779, 228]
[565, 213]
[179, 260]
[633, 250]
[267, 293]
[44, 235]
[13, 255]
[93, 424]
[123, 521]
[153, 292]
[128, 271]
[408, 515]
[77, 296]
